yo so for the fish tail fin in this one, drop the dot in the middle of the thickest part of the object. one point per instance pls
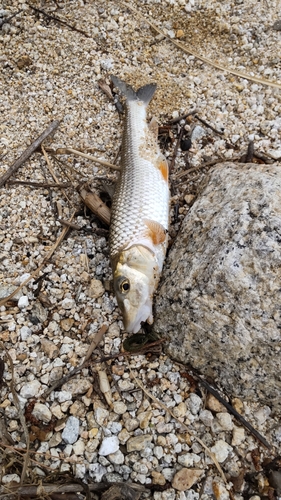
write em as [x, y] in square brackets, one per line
[143, 94]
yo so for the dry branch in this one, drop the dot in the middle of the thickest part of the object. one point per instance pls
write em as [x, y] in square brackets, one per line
[28, 152]
[66, 151]
[95, 204]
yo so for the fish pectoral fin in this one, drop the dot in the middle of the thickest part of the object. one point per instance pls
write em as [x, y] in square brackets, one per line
[153, 127]
[156, 232]
[163, 166]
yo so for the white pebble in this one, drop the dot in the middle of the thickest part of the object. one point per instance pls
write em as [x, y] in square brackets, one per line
[23, 302]
[221, 450]
[30, 389]
[109, 445]
[25, 332]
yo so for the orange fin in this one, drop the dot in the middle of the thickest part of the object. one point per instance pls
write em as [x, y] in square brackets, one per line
[153, 127]
[163, 166]
[156, 231]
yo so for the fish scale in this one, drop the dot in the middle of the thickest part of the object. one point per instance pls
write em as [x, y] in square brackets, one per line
[139, 212]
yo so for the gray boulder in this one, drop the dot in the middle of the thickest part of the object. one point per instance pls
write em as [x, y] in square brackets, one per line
[219, 301]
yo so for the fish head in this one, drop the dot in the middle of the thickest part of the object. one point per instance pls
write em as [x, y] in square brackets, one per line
[135, 278]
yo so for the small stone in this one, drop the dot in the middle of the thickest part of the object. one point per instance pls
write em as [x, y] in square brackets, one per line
[220, 491]
[55, 440]
[49, 348]
[221, 450]
[63, 396]
[194, 403]
[238, 405]
[123, 436]
[179, 33]
[180, 410]
[197, 133]
[77, 387]
[189, 198]
[109, 445]
[23, 302]
[206, 417]
[158, 452]
[101, 415]
[238, 436]
[71, 431]
[116, 458]
[93, 432]
[78, 409]
[96, 289]
[25, 332]
[138, 443]
[41, 412]
[225, 421]
[97, 471]
[140, 468]
[66, 324]
[68, 303]
[131, 424]
[185, 478]
[188, 459]
[10, 478]
[79, 447]
[158, 478]
[214, 405]
[119, 407]
[39, 312]
[144, 418]
[30, 389]
[163, 428]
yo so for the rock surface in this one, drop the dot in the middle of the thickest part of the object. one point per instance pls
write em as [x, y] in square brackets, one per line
[220, 299]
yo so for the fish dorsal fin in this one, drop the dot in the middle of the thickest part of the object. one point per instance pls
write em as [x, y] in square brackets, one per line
[163, 166]
[156, 232]
[153, 127]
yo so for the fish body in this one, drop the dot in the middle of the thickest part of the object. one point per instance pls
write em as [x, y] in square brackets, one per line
[140, 212]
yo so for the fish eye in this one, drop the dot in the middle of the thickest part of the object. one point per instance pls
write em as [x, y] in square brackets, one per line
[125, 286]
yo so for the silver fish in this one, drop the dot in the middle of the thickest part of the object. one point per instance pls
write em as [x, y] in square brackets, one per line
[140, 212]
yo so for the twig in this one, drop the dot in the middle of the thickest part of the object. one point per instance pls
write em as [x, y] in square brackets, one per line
[21, 415]
[43, 263]
[261, 156]
[250, 153]
[210, 163]
[182, 117]
[69, 224]
[175, 152]
[96, 205]
[51, 170]
[28, 152]
[8, 19]
[40, 184]
[208, 125]
[65, 151]
[47, 489]
[58, 20]
[192, 52]
[98, 337]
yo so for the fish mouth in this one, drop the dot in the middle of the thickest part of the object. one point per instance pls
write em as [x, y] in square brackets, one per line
[132, 323]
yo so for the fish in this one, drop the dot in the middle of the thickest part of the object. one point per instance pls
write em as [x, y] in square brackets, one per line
[140, 211]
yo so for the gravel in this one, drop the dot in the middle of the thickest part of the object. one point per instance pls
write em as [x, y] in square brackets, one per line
[48, 72]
